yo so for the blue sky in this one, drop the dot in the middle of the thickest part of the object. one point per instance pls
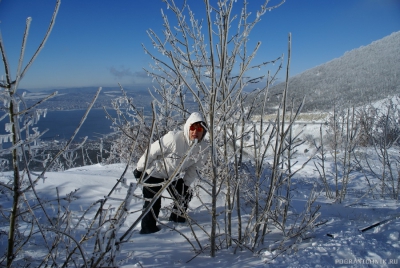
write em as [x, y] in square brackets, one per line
[98, 43]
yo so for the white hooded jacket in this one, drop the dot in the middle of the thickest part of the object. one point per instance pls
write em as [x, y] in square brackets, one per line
[173, 146]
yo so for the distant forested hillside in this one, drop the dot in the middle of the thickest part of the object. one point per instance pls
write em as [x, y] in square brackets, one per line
[360, 76]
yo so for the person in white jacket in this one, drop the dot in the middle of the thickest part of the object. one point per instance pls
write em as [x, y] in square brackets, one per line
[163, 160]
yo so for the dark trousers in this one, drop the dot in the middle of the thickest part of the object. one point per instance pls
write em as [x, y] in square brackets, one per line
[149, 223]
[182, 196]
[178, 190]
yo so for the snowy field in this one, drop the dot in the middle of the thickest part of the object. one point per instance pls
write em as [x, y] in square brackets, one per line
[337, 242]
[361, 231]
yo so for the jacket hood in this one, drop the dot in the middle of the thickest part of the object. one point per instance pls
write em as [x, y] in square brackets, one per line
[194, 118]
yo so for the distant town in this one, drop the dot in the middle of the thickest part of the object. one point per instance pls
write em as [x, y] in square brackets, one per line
[80, 98]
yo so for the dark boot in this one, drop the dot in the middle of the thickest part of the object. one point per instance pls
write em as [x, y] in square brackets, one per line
[149, 222]
[150, 230]
[175, 218]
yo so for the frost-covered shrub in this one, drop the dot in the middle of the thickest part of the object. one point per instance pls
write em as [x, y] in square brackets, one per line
[380, 122]
[124, 141]
[371, 124]
[372, 127]
[366, 119]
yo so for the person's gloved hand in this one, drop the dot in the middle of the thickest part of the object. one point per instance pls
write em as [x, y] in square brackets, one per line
[137, 174]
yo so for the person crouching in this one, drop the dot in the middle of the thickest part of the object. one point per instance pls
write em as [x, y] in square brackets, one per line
[164, 158]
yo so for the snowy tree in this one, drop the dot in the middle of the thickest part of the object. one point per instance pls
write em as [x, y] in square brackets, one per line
[209, 62]
[27, 212]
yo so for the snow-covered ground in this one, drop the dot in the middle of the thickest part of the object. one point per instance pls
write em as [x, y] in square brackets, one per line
[338, 242]
[362, 231]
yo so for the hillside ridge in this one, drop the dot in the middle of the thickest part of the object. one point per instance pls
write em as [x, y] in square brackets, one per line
[360, 76]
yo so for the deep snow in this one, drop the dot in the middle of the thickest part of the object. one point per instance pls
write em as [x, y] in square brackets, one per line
[336, 243]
